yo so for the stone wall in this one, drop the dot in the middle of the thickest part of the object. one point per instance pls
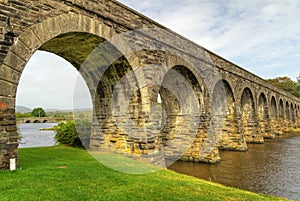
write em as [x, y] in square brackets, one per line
[209, 102]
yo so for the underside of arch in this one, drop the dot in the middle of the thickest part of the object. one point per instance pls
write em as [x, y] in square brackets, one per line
[224, 116]
[181, 96]
[263, 117]
[74, 46]
[248, 118]
[274, 122]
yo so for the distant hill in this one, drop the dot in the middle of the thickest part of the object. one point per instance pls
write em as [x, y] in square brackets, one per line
[22, 109]
[68, 110]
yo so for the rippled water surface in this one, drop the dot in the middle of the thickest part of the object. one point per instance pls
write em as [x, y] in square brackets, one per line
[33, 137]
[271, 168]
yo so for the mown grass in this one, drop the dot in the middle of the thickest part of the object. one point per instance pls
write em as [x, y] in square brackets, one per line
[64, 173]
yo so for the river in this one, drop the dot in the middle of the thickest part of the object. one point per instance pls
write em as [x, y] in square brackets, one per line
[271, 168]
[33, 137]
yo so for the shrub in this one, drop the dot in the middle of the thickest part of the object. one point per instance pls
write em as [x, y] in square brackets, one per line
[67, 134]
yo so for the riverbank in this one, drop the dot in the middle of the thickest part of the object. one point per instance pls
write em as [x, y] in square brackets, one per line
[64, 173]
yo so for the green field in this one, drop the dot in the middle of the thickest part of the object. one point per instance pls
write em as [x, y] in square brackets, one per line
[64, 173]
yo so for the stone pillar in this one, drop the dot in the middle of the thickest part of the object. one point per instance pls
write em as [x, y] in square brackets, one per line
[232, 138]
[8, 136]
[265, 129]
[251, 132]
[205, 146]
[275, 126]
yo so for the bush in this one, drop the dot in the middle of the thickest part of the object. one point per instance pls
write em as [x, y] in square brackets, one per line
[67, 134]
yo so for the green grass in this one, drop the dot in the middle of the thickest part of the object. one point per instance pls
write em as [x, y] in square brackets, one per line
[64, 173]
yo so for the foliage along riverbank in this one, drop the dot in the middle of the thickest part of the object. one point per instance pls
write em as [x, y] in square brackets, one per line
[65, 173]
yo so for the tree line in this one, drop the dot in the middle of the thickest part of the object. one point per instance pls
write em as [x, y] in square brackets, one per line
[286, 84]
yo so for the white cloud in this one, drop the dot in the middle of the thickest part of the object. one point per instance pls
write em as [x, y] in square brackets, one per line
[251, 34]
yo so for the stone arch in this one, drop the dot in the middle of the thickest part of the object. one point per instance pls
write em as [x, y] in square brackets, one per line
[293, 119]
[287, 111]
[263, 116]
[182, 96]
[203, 97]
[36, 121]
[281, 117]
[224, 110]
[273, 108]
[281, 110]
[117, 100]
[273, 111]
[223, 99]
[248, 117]
[263, 111]
[41, 36]
[203, 148]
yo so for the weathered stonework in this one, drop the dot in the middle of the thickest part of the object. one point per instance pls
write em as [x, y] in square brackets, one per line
[228, 106]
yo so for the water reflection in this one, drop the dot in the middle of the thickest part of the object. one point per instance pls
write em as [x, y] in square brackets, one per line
[33, 137]
[271, 168]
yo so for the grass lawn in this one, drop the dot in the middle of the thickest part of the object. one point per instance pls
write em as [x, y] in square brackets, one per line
[64, 173]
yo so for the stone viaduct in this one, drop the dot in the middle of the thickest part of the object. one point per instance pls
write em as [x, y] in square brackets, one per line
[128, 61]
[38, 120]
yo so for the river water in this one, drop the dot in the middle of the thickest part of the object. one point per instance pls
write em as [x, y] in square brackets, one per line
[271, 168]
[33, 137]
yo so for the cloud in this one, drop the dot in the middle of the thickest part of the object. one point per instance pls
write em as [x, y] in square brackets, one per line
[248, 33]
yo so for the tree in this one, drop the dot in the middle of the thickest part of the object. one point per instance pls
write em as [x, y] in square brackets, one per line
[286, 84]
[67, 134]
[38, 112]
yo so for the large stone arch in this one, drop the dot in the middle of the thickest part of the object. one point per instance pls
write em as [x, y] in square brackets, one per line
[70, 27]
[263, 116]
[273, 111]
[182, 97]
[248, 119]
[224, 110]
[177, 72]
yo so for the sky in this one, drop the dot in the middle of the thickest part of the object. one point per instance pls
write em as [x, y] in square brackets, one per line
[261, 36]
[51, 82]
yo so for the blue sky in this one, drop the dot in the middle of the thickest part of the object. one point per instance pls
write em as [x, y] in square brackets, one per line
[261, 36]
